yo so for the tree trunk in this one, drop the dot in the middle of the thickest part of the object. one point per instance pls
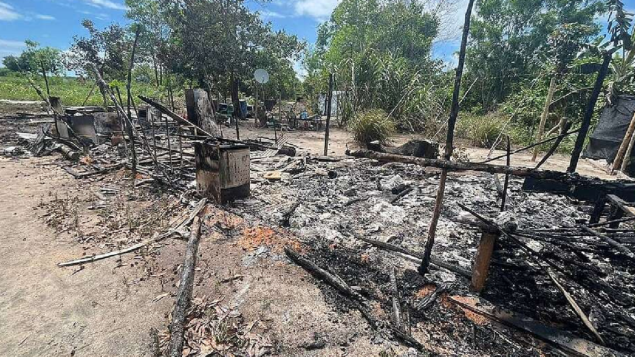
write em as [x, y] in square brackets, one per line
[545, 114]
[200, 111]
[46, 80]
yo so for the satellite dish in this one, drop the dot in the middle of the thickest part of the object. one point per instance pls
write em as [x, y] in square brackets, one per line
[261, 76]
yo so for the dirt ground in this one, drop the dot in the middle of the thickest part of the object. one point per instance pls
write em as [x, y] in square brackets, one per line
[340, 140]
[103, 309]
[109, 308]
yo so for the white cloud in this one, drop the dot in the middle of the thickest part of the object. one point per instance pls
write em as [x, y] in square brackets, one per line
[267, 14]
[318, 9]
[107, 4]
[10, 48]
[45, 17]
[8, 13]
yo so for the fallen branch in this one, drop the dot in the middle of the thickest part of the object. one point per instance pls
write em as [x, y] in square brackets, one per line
[202, 203]
[396, 304]
[184, 294]
[463, 166]
[434, 261]
[612, 242]
[342, 287]
[575, 307]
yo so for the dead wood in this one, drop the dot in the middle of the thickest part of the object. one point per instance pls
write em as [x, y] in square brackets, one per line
[449, 144]
[575, 307]
[538, 258]
[506, 186]
[563, 340]
[530, 146]
[333, 280]
[401, 195]
[184, 294]
[396, 304]
[434, 261]
[463, 166]
[612, 242]
[427, 302]
[554, 147]
[343, 288]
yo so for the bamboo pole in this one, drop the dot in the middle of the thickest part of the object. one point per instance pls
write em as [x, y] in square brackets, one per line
[545, 114]
[619, 158]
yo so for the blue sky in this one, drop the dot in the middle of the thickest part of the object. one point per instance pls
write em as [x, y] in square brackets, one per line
[55, 22]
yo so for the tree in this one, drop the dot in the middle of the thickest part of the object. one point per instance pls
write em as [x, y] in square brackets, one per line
[105, 50]
[509, 42]
[381, 55]
[219, 43]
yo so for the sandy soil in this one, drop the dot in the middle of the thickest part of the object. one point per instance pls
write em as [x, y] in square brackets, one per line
[103, 309]
[341, 139]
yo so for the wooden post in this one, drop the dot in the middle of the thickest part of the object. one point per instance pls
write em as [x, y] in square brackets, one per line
[329, 99]
[506, 185]
[545, 114]
[482, 260]
[129, 83]
[454, 113]
[619, 158]
[129, 129]
[200, 112]
[167, 133]
[588, 114]
[154, 113]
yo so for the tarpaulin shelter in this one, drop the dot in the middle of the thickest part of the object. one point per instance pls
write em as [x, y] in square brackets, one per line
[610, 130]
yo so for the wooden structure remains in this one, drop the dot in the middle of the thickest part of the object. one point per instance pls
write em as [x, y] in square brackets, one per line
[222, 171]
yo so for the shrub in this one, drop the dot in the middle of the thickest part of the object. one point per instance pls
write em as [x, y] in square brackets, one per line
[372, 125]
[480, 130]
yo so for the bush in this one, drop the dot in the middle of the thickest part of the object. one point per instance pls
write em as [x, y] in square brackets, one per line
[372, 125]
[480, 130]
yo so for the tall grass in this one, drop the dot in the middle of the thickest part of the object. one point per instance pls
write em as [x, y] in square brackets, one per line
[372, 125]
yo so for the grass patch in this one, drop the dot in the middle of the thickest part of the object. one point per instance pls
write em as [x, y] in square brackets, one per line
[73, 91]
[372, 125]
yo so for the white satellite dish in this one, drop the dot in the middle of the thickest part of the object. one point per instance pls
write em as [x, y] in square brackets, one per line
[261, 76]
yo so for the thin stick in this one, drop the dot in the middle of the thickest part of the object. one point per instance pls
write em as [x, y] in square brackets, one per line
[454, 113]
[506, 185]
[530, 146]
[554, 147]
[328, 115]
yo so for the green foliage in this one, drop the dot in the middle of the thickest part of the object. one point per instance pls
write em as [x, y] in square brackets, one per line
[511, 41]
[106, 49]
[36, 60]
[372, 125]
[73, 91]
[480, 130]
[380, 55]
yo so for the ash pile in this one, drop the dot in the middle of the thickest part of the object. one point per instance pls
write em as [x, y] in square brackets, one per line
[553, 275]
